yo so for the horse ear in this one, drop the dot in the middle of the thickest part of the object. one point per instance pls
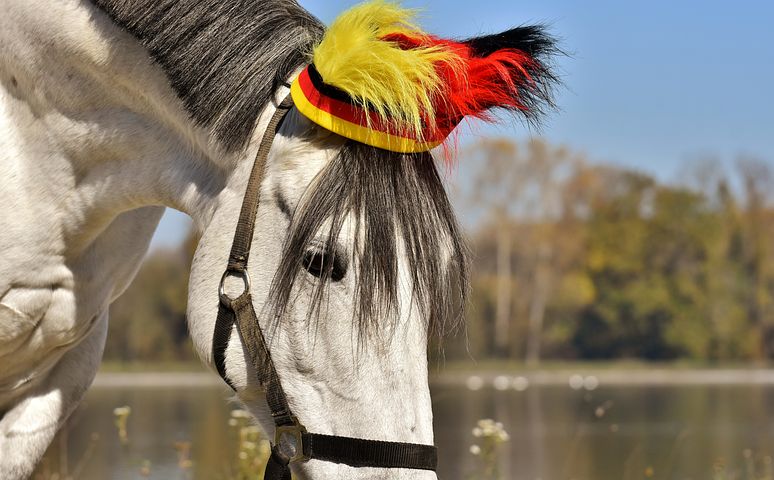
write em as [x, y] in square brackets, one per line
[511, 70]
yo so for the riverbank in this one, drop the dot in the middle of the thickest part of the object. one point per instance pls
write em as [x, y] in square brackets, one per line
[580, 376]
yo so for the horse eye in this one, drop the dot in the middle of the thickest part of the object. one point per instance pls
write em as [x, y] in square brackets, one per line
[320, 262]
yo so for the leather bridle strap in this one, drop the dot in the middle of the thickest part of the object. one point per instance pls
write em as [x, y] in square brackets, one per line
[292, 443]
[357, 452]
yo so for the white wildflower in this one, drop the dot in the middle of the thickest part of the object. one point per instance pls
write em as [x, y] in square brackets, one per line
[520, 383]
[576, 382]
[501, 383]
[474, 382]
[122, 411]
[590, 383]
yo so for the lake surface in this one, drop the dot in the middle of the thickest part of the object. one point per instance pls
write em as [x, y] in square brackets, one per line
[697, 432]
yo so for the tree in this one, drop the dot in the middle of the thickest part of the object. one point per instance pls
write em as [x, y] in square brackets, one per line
[520, 189]
[147, 322]
[756, 181]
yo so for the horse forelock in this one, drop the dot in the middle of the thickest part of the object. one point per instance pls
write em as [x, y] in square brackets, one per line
[224, 59]
[399, 210]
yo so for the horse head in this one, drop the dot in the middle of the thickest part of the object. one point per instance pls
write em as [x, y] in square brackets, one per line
[357, 257]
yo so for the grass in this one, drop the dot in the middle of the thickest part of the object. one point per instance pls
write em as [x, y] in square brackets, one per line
[756, 467]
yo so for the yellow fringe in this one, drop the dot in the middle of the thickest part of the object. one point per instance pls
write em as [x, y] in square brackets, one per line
[397, 84]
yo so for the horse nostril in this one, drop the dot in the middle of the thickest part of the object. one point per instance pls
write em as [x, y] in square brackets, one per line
[324, 264]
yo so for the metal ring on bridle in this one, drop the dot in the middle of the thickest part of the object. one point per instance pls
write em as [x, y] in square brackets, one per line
[289, 440]
[224, 297]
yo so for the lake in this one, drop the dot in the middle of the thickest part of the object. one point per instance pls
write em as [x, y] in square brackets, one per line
[557, 432]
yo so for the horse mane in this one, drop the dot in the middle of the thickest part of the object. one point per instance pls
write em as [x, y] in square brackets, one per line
[224, 59]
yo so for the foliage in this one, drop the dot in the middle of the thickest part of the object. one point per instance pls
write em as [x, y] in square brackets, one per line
[252, 453]
[121, 419]
[254, 450]
[626, 266]
[148, 321]
[756, 467]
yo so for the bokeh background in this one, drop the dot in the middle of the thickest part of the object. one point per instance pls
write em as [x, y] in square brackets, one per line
[621, 323]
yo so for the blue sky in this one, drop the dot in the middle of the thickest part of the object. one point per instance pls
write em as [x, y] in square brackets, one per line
[649, 85]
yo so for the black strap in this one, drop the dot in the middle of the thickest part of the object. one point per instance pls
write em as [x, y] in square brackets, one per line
[359, 452]
[292, 442]
[278, 466]
[355, 452]
[223, 326]
[243, 237]
[260, 358]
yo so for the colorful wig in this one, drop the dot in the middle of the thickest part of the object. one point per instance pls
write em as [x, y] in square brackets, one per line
[378, 79]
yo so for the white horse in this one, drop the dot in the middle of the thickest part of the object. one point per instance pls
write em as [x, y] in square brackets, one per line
[113, 110]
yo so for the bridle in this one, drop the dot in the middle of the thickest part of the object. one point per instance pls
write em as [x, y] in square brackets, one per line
[292, 443]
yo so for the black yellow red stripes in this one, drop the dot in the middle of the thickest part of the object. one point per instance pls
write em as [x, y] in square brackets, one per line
[349, 120]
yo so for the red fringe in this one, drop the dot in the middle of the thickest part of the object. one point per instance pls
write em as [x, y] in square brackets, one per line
[480, 84]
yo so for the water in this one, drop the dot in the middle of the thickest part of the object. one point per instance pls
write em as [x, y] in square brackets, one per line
[557, 433]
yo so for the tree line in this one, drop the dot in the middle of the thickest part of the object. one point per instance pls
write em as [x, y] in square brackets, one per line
[570, 260]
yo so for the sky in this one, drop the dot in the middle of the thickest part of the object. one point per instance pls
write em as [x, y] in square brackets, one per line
[647, 85]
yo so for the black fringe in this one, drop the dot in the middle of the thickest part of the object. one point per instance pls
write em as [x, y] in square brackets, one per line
[534, 40]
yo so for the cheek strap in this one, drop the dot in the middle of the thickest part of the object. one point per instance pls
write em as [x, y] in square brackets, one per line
[292, 443]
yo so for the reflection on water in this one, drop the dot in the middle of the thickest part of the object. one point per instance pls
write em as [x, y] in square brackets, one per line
[557, 433]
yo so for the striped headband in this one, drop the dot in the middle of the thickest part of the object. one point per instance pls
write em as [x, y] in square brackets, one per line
[334, 110]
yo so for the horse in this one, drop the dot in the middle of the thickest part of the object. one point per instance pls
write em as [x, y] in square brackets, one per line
[113, 110]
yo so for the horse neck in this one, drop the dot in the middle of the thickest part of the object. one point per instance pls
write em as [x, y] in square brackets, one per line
[119, 135]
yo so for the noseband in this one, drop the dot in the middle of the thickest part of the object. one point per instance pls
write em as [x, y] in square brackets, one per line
[292, 443]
